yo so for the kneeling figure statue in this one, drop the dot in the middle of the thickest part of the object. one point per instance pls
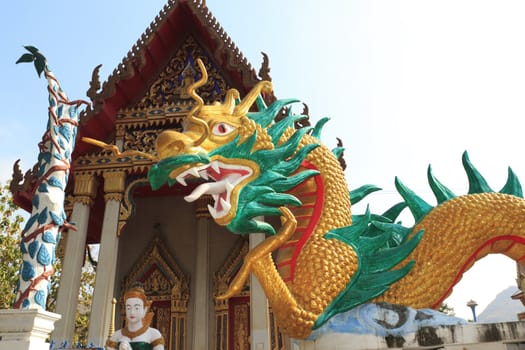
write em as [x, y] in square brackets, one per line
[137, 333]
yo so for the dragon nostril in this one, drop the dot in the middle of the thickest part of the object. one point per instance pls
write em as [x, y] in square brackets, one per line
[170, 143]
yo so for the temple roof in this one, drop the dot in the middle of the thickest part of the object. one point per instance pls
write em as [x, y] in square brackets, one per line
[178, 20]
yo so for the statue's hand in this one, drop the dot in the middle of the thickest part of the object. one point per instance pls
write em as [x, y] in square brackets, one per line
[124, 345]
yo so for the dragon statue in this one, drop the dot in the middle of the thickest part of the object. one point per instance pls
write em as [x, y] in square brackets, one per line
[322, 260]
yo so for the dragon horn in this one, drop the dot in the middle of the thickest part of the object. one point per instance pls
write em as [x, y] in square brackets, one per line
[248, 100]
[229, 100]
[200, 103]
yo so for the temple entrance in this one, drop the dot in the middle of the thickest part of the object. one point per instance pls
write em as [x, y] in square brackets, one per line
[232, 316]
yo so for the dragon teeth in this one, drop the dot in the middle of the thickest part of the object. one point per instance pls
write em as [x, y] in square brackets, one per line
[181, 180]
[206, 188]
[217, 214]
[203, 174]
[225, 205]
[194, 172]
[215, 166]
[212, 211]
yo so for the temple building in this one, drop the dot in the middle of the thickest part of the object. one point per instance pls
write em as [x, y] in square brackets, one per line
[173, 248]
[177, 252]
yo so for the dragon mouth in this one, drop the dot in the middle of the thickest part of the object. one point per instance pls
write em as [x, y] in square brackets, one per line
[222, 179]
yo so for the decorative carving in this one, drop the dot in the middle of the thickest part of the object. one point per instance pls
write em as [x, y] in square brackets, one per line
[94, 85]
[68, 205]
[85, 185]
[341, 157]
[29, 178]
[157, 283]
[159, 273]
[143, 139]
[241, 331]
[86, 200]
[179, 74]
[137, 135]
[301, 123]
[227, 272]
[163, 315]
[101, 162]
[264, 71]
[113, 197]
[264, 74]
[127, 206]
[114, 181]
[154, 116]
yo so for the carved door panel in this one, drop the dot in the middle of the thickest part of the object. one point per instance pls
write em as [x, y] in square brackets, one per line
[162, 320]
[239, 323]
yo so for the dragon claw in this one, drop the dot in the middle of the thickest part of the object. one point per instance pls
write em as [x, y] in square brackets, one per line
[287, 216]
[260, 252]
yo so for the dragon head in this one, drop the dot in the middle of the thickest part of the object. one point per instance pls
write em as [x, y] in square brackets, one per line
[246, 160]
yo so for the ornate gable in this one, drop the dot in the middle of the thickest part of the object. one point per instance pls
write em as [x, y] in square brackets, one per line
[166, 101]
[170, 89]
[159, 274]
[181, 25]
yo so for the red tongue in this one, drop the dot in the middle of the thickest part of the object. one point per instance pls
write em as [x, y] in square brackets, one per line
[225, 172]
[218, 204]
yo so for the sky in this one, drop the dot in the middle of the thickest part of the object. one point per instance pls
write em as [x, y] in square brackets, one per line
[405, 83]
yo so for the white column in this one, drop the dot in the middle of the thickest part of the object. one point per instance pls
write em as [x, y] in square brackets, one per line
[107, 262]
[201, 293]
[67, 298]
[260, 336]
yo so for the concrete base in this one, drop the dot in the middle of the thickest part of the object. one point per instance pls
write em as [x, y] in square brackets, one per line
[474, 336]
[26, 329]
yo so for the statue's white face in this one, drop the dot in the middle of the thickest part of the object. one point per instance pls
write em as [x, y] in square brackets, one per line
[135, 311]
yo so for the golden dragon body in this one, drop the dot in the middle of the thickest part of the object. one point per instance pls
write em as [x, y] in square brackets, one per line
[319, 262]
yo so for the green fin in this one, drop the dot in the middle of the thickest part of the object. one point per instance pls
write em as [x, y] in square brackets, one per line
[374, 275]
[338, 151]
[394, 212]
[441, 192]
[416, 204]
[513, 185]
[376, 260]
[477, 183]
[361, 192]
[319, 127]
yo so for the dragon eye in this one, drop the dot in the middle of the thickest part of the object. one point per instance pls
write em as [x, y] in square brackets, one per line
[221, 129]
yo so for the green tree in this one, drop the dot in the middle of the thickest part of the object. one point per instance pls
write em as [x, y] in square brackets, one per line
[87, 284]
[446, 309]
[10, 254]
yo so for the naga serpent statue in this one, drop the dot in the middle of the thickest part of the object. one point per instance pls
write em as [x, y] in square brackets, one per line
[322, 260]
[42, 231]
